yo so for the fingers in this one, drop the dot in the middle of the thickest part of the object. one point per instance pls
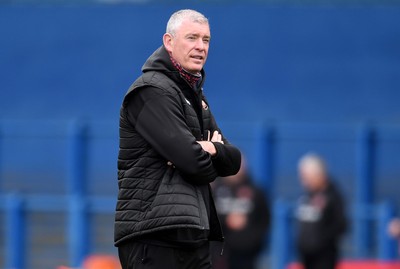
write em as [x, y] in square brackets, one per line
[217, 137]
[208, 147]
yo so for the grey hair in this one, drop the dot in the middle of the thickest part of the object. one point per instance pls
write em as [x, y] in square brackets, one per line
[179, 16]
[313, 159]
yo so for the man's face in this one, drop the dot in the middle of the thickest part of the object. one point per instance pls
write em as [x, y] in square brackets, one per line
[189, 46]
[312, 178]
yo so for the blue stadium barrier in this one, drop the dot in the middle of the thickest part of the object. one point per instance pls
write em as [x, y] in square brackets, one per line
[16, 206]
[77, 204]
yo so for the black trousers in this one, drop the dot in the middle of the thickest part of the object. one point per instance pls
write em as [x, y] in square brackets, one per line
[241, 260]
[136, 255]
[323, 260]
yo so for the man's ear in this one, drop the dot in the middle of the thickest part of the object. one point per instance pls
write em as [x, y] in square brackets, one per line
[168, 42]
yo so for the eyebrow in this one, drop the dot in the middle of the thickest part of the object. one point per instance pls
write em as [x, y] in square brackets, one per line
[198, 35]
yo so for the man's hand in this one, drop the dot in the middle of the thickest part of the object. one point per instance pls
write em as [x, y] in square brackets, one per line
[208, 145]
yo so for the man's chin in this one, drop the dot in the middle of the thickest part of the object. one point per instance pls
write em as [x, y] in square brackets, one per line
[195, 69]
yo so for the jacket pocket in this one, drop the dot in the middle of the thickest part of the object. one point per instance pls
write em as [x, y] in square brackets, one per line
[175, 199]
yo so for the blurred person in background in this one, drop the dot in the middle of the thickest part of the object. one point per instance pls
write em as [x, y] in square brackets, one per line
[170, 150]
[245, 218]
[320, 214]
[394, 230]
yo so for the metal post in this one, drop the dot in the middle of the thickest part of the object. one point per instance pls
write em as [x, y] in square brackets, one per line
[281, 235]
[1, 155]
[265, 158]
[15, 232]
[78, 231]
[364, 189]
[77, 159]
[387, 246]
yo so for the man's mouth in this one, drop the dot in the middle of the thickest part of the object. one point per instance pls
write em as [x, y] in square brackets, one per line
[198, 57]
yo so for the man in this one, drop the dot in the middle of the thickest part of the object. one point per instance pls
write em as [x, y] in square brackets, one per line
[320, 215]
[245, 218]
[170, 150]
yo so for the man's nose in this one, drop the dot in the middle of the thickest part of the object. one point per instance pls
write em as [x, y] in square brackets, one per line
[200, 45]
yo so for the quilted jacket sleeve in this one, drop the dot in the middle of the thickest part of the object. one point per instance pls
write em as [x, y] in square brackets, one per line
[161, 121]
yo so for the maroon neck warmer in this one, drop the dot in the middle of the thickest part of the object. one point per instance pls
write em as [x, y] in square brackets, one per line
[192, 79]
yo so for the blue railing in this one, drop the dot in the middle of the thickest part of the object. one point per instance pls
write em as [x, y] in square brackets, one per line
[78, 208]
[77, 204]
[260, 142]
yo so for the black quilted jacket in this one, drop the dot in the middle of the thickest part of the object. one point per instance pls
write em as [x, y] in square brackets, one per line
[153, 194]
